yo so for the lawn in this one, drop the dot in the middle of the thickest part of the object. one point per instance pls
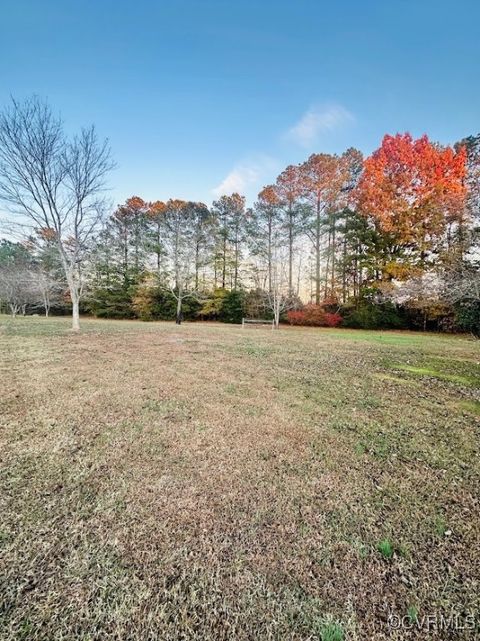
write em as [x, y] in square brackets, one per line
[208, 482]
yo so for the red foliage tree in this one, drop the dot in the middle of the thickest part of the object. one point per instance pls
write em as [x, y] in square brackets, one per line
[414, 192]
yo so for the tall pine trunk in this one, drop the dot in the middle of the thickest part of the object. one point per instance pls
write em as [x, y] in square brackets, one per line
[269, 250]
[317, 256]
[224, 265]
[333, 267]
[290, 250]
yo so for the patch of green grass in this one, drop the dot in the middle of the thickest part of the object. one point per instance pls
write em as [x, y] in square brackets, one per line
[470, 406]
[370, 402]
[412, 613]
[4, 538]
[440, 525]
[257, 351]
[385, 337]
[379, 445]
[385, 548]
[332, 632]
[434, 373]
[360, 448]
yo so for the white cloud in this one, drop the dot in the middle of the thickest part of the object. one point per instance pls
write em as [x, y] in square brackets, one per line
[316, 121]
[244, 176]
[239, 178]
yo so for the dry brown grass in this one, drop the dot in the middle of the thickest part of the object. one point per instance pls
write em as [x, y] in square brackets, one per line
[205, 482]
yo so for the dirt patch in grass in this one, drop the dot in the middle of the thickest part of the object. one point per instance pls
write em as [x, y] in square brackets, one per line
[203, 482]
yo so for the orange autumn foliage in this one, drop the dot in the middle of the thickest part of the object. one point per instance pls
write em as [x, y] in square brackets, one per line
[269, 196]
[413, 189]
[289, 186]
[156, 209]
[46, 233]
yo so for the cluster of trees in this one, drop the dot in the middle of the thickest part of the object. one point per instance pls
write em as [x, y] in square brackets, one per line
[390, 240]
[30, 280]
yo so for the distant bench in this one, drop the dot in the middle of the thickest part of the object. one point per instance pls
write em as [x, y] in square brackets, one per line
[256, 322]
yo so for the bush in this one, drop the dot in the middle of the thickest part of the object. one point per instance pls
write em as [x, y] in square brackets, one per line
[223, 305]
[212, 306]
[467, 316]
[332, 319]
[156, 303]
[314, 316]
[153, 303]
[369, 315]
[256, 305]
[232, 308]
[111, 302]
[296, 317]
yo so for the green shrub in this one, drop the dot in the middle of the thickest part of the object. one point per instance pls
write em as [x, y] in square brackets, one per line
[111, 302]
[369, 315]
[212, 306]
[467, 316]
[232, 307]
[155, 303]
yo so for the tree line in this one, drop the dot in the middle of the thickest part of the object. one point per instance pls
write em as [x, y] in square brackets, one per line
[385, 241]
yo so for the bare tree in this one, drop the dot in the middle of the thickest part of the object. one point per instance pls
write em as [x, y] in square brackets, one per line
[280, 297]
[48, 288]
[422, 293]
[51, 183]
[17, 288]
[462, 283]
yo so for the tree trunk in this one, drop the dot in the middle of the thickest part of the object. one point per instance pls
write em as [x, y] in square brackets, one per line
[197, 263]
[317, 257]
[269, 255]
[333, 266]
[235, 275]
[158, 252]
[75, 310]
[46, 304]
[178, 318]
[327, 265]
[224, 265]
[290, 250]
[277, 316]
[74, 289]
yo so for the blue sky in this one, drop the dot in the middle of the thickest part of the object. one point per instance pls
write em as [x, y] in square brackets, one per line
[199, 97]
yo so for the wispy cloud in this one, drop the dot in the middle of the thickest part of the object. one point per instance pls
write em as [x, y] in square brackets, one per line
[245, 175]
[316, 121]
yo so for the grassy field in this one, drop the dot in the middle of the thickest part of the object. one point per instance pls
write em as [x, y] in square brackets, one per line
[204, 482]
